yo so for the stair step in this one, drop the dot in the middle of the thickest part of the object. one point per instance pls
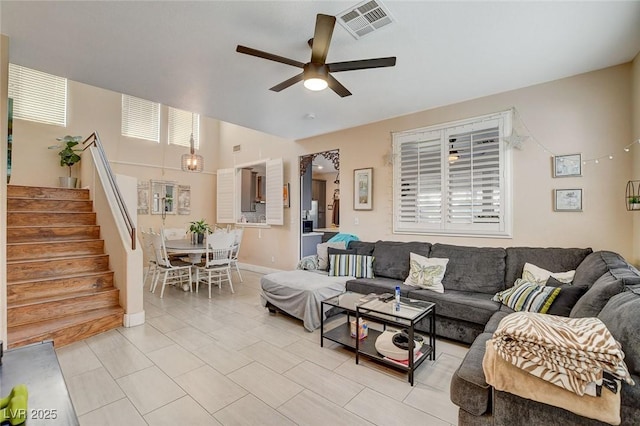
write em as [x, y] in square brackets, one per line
[48, 205]
[23, 234]
[47, 192]
[50, 218]
[46, 308]
[50, 250]
[22, 270]
[64, 331]
[23, 291]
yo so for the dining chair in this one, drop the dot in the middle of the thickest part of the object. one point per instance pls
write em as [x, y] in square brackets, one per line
[174, 234]
[152, 267]
[217, 263]
[236, 250]
[173, 269]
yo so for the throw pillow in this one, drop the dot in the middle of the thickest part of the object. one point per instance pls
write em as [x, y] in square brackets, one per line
[332, 250]
[350, 265]
[426, 272]
[597, 296]
[308, 263]
[566, 299]
[535, 274]
[323, 253]
[528, 296]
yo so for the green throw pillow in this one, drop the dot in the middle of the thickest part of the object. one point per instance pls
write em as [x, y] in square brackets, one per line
[526, 296]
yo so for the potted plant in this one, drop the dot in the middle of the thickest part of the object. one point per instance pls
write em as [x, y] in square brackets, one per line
[634, 202]
[68, 157]
[199, 228]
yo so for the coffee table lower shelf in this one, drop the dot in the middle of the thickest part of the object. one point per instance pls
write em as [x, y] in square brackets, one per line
[367, 346]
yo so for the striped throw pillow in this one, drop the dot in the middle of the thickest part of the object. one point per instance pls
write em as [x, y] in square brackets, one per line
[350, 265]
[528, 297]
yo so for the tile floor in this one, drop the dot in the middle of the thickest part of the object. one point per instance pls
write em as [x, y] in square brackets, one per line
[226, 361]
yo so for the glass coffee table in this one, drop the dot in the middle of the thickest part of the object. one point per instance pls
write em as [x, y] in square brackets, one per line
[403, 315]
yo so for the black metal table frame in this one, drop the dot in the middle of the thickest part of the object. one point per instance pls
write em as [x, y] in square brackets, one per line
[342, 335]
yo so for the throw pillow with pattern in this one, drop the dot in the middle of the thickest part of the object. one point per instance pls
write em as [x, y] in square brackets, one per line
[426, 272]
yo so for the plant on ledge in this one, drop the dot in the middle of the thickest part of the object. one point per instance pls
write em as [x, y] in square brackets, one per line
[68, 157]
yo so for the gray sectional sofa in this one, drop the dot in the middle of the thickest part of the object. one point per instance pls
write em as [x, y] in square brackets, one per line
[466, 313]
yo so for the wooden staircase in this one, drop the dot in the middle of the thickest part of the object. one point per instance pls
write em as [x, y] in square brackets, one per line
[59, 285]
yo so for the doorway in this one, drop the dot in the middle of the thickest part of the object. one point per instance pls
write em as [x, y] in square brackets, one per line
[320, 199]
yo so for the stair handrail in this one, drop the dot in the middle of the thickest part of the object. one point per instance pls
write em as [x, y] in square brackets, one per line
[94, 140]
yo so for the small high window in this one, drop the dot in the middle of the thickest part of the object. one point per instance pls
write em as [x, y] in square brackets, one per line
[181, 124]
[140, 118]
[38, 96]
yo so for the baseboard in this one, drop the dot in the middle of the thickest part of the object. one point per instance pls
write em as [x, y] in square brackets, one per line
[257, 268]
[131, 320]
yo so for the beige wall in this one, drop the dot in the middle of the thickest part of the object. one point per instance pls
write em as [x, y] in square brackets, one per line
[635, 135]
[275, 247]
[93, 109]
[588, 113]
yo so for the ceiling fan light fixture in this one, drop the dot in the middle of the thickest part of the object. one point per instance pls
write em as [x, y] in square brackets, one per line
[316, 84]
[315, 76]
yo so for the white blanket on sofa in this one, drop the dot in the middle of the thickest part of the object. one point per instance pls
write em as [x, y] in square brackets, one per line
[300, 292]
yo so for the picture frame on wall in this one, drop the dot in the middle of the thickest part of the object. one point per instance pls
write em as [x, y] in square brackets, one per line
[567, 165]
[286, 201]
[567, 200]
[143, 197]
[184, 199]
[363, 189]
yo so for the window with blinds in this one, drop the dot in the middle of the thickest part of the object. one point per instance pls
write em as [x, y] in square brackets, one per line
[453, 178]
[181, 124]
[140, 118]
[38, 96]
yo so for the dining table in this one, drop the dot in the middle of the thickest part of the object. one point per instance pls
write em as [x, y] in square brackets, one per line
[193, 250]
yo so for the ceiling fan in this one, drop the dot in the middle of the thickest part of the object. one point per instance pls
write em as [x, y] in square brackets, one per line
[316, 73]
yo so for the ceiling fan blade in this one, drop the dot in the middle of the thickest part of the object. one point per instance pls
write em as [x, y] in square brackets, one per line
[337, 87]
[269, 56]
[362, 64]
[293, 80]
[322, 38]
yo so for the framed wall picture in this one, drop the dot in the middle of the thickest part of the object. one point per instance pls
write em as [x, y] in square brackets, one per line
[363, 189]
[567, 200]
[286, 201]
[143, 197]
[567, 165]
[184, 199]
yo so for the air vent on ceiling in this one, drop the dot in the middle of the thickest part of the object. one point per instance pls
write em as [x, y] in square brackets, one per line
[365, 18]
[236, 148]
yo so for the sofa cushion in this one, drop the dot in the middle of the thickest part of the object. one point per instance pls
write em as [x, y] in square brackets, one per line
[527, 296]
[597, 296]
[567, 299]
[595, 265]
[476, 269]
[377, 285]
[621, 315]
[392, 258]
[462, 305]
[362, 247]
[469, 388]
[495, 319]
[552, 259]
[426, 272]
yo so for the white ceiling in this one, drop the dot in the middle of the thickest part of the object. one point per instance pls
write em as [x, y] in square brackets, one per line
[182, 53]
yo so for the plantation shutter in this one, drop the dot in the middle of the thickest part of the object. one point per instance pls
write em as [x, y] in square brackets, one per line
[181, 124]
[453, 179]
[474, 180]
[419, 198]
[140, 118]
[225, 199]
[273, 190]
[38, 96]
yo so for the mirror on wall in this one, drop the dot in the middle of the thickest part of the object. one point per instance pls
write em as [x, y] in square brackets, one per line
[163, 197]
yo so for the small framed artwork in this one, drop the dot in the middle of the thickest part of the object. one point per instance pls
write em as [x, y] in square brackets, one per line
[143, 197]
[286, 201]
[184, 199]
[363, 189]
[567, 165]
[567, 200]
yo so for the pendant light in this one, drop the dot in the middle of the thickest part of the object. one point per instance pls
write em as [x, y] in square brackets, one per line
[192, 162]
